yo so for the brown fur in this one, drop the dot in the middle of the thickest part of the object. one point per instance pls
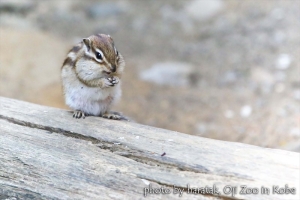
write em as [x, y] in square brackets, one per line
[76, 48]
[68, 61]
[102, 42]
[106, 45]
[88, 81]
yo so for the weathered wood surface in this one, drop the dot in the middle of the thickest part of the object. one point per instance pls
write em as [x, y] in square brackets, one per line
[46, 154]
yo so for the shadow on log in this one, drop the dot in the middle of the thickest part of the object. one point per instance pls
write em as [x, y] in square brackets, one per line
[47, 154]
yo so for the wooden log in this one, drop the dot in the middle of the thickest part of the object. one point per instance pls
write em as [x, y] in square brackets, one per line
[47, 154]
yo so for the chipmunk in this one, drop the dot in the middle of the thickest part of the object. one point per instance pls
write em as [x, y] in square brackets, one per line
[91, 77]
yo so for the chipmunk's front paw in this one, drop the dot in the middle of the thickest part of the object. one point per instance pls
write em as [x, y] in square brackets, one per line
[111, 81]
[78, 114]
[112, 116]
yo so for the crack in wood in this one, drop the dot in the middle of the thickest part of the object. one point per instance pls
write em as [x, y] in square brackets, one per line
[13, 192]
[125, 151]
[119, 149]
[166, 164]
[51, 129]
[192, 160]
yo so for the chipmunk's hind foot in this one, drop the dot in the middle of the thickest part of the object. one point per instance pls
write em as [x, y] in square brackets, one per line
[78, 114]
[115, 116]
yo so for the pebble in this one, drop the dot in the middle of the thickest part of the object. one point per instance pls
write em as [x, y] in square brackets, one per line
[168, 73]
[283, 61]
[295, 131]
[296, 95]
[229, 114]
[230, 77]
[16, 6]
[277, 13]
[246, 111]
[279, 37]
[262, 76]
[202, 10]
[104, 10]
[202, 129]
[207, 128]
[280, 87]
[280, 75]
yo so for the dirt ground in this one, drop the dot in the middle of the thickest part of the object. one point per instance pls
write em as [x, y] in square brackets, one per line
[227, 70]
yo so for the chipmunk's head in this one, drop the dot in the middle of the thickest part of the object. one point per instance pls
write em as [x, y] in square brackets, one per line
[96, 57]
[101, 49]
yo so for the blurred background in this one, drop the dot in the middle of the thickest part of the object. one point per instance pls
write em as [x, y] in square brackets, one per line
[221, 69]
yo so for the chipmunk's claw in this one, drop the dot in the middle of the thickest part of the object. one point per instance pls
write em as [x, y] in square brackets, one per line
[112, 81]
[78, 114]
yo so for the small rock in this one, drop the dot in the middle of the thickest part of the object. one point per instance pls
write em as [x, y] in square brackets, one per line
[280, 76]
[201, 128]
[280, 87]
[262, 80]
[168, 73]
[262, 76]
[295, 131]
[202, 10]
[279, 37]
[140, 23]
[230, 77]
[206, 128]
[241, 130]
[277, 13]
[296, 94]
[282, 112]
[104, 10]
[229, 114]
[283, 61]
[246, 111]
[168, 13]
[16, 6]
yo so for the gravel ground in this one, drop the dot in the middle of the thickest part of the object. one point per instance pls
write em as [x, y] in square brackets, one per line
[227, 70]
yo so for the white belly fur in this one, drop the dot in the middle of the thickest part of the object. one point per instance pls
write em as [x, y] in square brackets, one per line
[90, 100]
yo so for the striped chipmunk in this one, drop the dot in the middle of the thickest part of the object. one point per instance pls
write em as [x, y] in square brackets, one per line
[91, 77]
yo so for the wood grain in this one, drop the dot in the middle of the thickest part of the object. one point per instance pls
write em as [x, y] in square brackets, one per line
[47, 154]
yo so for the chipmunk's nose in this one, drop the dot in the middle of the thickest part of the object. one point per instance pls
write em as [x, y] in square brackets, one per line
[114, 68]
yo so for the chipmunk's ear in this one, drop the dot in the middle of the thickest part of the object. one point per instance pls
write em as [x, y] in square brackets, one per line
[110, 38]
[87, 43]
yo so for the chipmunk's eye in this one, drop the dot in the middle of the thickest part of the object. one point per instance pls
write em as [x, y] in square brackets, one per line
[99, 56]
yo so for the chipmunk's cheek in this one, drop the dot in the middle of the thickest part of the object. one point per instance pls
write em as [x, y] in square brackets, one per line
[88, 73]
